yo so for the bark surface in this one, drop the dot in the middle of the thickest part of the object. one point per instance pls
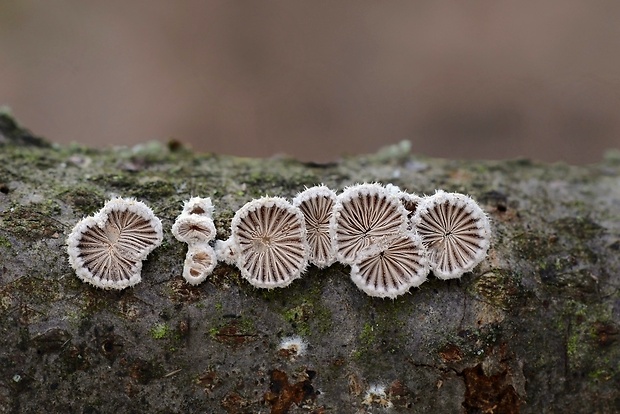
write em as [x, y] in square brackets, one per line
[533, 329]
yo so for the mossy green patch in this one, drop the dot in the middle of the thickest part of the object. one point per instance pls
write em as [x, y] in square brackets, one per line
[590, 335]
[38, 290]
[117, 180]
[561, 254]
[299, 316]
[302, 305]
[579, 227]
[234, 332]
[499, 287]
[5, 243]
[368, 334]
[83, 199]
[30, 222]
[34, 159]
[475, 343]
[160, 331]
[384, 332]
[152, 190]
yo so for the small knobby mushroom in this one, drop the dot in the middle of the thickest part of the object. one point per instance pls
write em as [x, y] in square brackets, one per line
[455, 231]
[199, 263]
[195, 227]
[365, 214]
[390, 269]
[226, 251]
[317, 204]
[292, 347]
[107, 249]
[269, 236]
[198, 206]
[409, 200]
[190, 228]
[376, 394]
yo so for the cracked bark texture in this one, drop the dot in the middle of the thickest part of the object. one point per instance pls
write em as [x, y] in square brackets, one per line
[533, 329]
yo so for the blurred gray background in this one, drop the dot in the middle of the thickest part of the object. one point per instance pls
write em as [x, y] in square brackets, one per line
[318, 79]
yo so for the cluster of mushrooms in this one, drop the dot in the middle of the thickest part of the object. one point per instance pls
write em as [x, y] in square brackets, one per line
[391, 239]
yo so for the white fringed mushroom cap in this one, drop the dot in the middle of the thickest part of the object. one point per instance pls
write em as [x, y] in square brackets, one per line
[269, 235]
[365, 214]
[317, 205]
[390, 269]
[198, 206]
[226, 251]
[199, 263]
[455, 231]
[107, 249]
[192, 228]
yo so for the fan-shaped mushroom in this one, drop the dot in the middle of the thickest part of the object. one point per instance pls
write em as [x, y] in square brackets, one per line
[317, 204]
[391, 269]
[269, 235]
[107, 249]
[365, 214]
[455, 231]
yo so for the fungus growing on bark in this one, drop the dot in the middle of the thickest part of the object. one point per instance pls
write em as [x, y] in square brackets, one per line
[376, 395]
[195, 227]
[410, 201]
[389, 269]
[198, 206]
[199, 263]
[455, 231]
[191, 229]
[269, 235]
[365, 214]
[292, 347]
[317, 203]
[226, 251]
[107, 249]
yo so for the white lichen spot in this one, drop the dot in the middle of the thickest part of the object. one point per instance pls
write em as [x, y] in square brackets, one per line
[365, 214]
[317, 203]
[292, 347]
[376, 395]
[107, 249]
[455, 231]
[390, 269]
[270, 236]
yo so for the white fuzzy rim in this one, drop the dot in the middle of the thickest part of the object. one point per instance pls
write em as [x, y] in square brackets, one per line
[376, 394]
[192, 228]
[455, 231]
[198, 206]
[270, 235]
[226, 251]
[199, 263]
[410, 201]
[317, 205]
[390, 269]
[294, 345]
[93, 236]
[365, 214]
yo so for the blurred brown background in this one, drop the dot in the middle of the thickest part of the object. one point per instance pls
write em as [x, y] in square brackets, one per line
[317, 79]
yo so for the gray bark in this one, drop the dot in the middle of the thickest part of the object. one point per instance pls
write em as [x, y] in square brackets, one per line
[533, 329]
